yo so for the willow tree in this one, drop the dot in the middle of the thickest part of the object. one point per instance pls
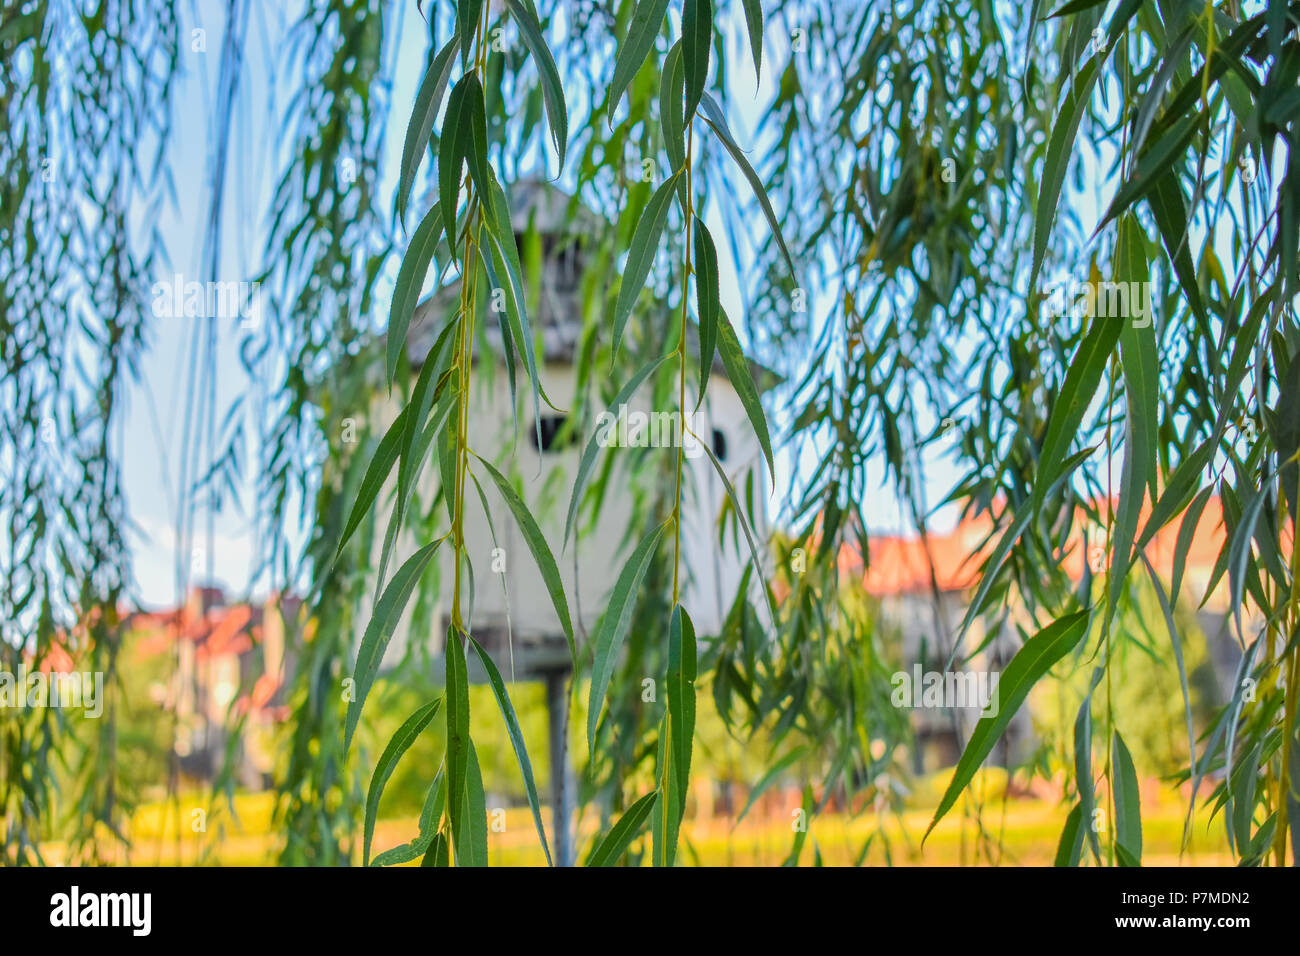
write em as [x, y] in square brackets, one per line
[969, 142]
[923, 171]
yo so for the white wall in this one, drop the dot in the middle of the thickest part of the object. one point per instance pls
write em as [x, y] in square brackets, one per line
[711, 571]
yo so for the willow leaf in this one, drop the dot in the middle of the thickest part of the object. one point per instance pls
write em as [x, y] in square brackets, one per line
[410, 280]
[641, 256]
[430, 817]
[672, 118]
[647, 20]
[516, 741]
[472, 851]
[754, 26]
[708, 303]
[616, 841]
[614, 625]
[458, 739]
[593, 444]
[1031, 662]
[505, 255]
[681, 719]
[773, 773]
[376, 473]
[468, 14]
[464, 140]
[1140, 364]
[717, 121]
[1060, 149]
[754, 553]
[541, 551]
[400, 743]
[1083, 760]
[388, 610]
[697, 38]
[1154, 163]
[428, 100]
[1128, 804]
[1070, 847]
[733, 360]
[557, 115]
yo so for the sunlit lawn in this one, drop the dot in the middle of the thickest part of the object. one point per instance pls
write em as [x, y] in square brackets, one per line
[1014, 832]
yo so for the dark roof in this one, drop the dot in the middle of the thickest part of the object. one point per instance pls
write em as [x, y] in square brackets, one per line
[552, 212]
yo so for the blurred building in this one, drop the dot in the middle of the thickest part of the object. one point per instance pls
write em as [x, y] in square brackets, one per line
[924, 586]
[226, 689]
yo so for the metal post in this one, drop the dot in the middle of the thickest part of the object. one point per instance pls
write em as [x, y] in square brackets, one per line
[560, 805]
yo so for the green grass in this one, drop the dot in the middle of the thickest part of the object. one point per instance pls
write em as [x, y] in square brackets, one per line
[1014, 832]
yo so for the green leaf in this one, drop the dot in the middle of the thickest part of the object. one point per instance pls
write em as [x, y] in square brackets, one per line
[641, 255]
[1170, 211]
[447, 451]
[472, 851]
[458, 738]
[708, 303]
[1076, 394]
[412, 459]
[505, 254]
[1060, 149]
[1070, 847]
[1128, 805]
[713, 115]
[754, 26]
[681, 721]
[516, 741]
[400, 743]
[744, 526]
[1018, 524]
[1239, 550]
[427, 103]
[438, 853]
[1031, 662]
[672, 118]
[430, 817]
[410, 280]
[697, 38]
[589, 452]
[377, 472]
[1284, 425]
[468, 14]
[464, 140]
[733, 360]
[1083, 760]
[1186, 531]
[388, 610]
[614, 625]
[647, 20]
[1074, 6]
[540, 550]
[611, 848]
[1141, 369]
[557, 115]
[1155, 163]
[1177, 643]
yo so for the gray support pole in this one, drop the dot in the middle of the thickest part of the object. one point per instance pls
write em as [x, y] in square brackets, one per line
[560, 797]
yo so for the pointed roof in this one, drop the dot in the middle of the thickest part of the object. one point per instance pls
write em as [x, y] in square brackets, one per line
[556, 214]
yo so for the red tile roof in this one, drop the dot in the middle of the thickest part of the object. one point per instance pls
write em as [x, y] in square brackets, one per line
[900, 564]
